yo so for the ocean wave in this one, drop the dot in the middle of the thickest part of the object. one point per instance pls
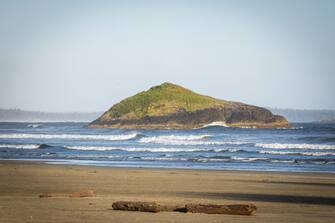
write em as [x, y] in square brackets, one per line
[20, 146]
[298, 153]
[223, 124]
[33, 125]
[295, 146]
[133, 149]
[315, 161]
[92, 156]
[216, 159]
[318, 139]
[246, 127]
[202, 159]
[185, 140]
[249, 159]
[145, 149]
[69, 136]
[275, 160]
[177, 137]
[223, 159]
[295, 127]
[219, 159]
[261, 159]
[163, 159]
[128, 149]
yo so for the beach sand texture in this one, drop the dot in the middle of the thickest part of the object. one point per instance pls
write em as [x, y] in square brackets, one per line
[279, 197]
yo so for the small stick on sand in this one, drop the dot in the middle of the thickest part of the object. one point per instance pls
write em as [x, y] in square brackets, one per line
[87, 193]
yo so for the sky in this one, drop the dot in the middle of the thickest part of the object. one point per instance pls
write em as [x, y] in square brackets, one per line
[67, 55]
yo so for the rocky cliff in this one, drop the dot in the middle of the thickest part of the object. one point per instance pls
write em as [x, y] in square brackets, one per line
[169, 106]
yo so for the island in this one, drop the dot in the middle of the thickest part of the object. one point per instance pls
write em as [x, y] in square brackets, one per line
[170, 106]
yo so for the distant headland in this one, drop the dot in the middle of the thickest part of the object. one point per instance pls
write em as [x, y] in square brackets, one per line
[170, 106]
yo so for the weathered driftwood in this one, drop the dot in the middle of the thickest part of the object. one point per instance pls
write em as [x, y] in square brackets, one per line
[234, 209]
[177, 208]
[136, 206]
[87, 193]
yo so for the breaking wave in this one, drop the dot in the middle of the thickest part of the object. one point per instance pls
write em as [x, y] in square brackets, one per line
[223, 124]
[69, 136]
[185, 140]
[218, 159]
[294, 146]
[298, 153]
[18, 146]
[134, 149]
[33, 125]
[176, 137]
[128, 149]
[144, 149]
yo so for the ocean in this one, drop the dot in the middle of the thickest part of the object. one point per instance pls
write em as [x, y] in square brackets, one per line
[307, 147]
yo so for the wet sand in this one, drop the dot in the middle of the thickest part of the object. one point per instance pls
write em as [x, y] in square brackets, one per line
[279, 197]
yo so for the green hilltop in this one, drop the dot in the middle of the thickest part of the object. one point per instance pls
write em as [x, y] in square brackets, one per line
[164, 99]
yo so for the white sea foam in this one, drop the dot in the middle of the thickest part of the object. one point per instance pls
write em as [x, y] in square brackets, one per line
[211, 159]
[177, 137]
[33, 125]
[297, 127]
[216, 124]
[229, 159]
[248, 159]
[120, 157]
[294, 146]
[68, 136]
[233, 158]
[247, 127]
[298, 153]
[282, 161]
[185, 140]
[164, 158]
[133, 149]
[294, 128]
[129, 149]
[144, 149]
[20, 146]
[206, 160]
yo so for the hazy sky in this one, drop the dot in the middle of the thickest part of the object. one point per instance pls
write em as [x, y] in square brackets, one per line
[65, 55]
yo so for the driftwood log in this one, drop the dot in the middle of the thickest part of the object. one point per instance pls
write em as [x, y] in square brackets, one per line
[87, 193]
[136, 206]
[235, 209]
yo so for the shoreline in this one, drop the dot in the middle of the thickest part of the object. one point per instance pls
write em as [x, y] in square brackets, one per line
[67, 162]
[279, 197]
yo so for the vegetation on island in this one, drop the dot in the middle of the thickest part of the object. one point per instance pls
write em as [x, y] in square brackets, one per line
[164, 99]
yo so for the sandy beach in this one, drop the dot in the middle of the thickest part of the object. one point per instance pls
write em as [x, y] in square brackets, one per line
[279, 197]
